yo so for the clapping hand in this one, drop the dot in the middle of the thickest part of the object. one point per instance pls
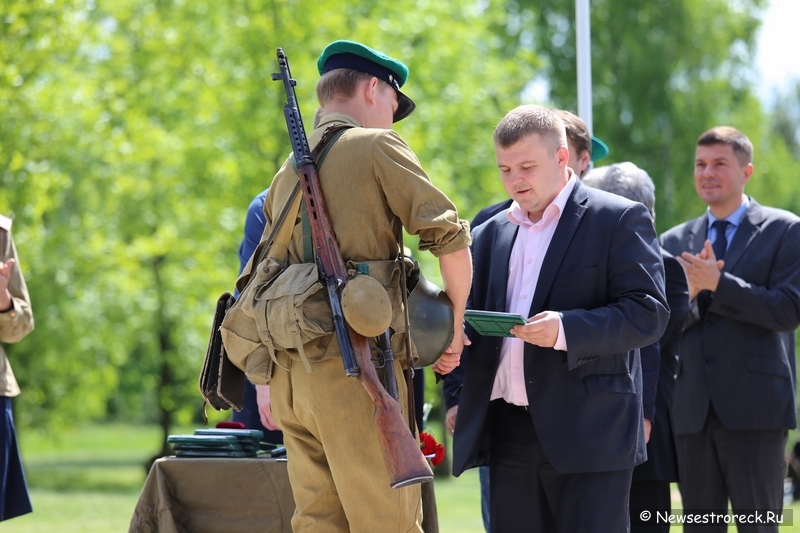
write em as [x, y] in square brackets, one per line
[702, 270]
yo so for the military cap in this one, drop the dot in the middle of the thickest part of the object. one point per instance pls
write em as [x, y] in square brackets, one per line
[599, 149]
[356, 56]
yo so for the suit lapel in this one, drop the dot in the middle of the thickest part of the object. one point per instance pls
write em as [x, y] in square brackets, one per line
[506, 234]
[697, 235]
[745, 233]
[574, 210]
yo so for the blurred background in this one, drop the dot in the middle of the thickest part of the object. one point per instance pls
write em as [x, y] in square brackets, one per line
[133, 135]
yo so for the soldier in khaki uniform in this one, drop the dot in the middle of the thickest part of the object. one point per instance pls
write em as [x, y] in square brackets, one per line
[16, 321]
[373, 186]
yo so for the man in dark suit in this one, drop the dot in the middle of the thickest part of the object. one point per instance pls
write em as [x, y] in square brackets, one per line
[584, 149]
[735, 391]
[650, 488]
[556, 410]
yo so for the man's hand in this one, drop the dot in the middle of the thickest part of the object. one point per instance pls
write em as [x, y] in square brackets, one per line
[265, 407]
[648, 427]
[702, 270]
[541, 329]
[451, 357]
[450, 419]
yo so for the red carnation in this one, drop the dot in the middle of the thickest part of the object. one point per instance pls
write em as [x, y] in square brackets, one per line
[431, 447]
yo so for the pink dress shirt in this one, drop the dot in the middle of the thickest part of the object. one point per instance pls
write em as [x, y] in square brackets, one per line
[527, 256]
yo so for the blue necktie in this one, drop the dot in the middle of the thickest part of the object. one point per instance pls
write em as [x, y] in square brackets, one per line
[720, 245]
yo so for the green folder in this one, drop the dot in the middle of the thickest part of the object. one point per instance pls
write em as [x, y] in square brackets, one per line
[209, 453]
[492, 323]
[203, 440]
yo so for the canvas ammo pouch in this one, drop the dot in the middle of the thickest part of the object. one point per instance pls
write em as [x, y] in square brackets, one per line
[280, 308]
[293, 314]
[240, 333]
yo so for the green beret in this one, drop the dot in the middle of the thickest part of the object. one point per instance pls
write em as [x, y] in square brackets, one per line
[599, 149]
[356, 56]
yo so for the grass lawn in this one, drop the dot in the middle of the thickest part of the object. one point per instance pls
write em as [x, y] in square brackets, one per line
[88, 481]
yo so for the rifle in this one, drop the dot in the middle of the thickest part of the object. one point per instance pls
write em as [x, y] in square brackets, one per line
[387, 358]
[401, 452]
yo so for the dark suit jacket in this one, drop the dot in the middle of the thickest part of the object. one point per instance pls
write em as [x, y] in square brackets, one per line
[603, 271]
[454, 381]
[662, 462]
[741, 355]
[488, 212]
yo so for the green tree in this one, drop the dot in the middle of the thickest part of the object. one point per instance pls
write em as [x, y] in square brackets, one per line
[134, 135]
[662, 71]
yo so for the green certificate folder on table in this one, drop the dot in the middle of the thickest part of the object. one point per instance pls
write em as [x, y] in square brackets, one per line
[493, 323]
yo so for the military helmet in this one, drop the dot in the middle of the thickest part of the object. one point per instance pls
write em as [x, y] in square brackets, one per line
[431, 316]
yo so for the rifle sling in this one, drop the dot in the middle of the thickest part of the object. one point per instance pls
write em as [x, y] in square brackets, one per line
[318, 154]
[330, 136]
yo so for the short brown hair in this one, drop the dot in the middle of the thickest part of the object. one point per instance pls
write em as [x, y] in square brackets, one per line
[738, 141]
[339, 82]
[528, 120]
[577, 132]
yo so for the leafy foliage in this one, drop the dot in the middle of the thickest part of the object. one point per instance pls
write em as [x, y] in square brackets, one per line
[134, 135]
[663, 72]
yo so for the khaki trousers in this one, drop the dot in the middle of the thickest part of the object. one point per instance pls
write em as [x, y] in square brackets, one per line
[336, 467]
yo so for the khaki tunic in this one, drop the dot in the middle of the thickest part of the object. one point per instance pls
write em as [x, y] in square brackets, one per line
[369, 199]
[373, 186]
[17, 321]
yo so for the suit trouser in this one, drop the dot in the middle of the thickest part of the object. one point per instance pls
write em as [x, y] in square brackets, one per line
[718, 463]
[652, 496]
[528, 494]
[339, 479]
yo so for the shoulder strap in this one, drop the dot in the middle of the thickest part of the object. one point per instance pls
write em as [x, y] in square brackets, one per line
[329, 136]
[292, 205]
[319, 153]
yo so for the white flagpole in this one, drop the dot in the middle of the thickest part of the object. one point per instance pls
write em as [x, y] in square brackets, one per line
[584, 55]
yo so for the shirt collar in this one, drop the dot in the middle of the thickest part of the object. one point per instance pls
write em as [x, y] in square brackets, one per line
[734, 218]
[334, 118]
[519, 216]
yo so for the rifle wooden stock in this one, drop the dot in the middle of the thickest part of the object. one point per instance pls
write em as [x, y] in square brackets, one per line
[401, 452]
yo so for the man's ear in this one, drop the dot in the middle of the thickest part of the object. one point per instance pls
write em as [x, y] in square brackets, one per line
[583, 163]
[748, 171]
[562, 155]
[370, 88]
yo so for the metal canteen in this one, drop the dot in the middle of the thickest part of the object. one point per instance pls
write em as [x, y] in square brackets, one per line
[430, 315]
